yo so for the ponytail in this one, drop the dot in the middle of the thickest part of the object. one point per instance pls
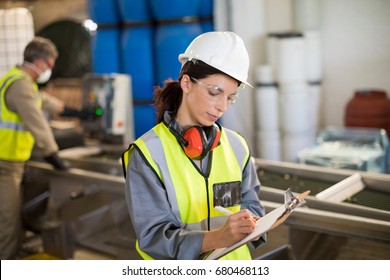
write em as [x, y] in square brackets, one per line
[167, 98]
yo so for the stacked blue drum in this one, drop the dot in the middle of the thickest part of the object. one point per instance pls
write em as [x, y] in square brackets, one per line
[143, 38]
[106, 42]
[138, 61]
[206, 15]
[177, 25]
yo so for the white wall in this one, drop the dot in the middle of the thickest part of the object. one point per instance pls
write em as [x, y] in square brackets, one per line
[356, 50]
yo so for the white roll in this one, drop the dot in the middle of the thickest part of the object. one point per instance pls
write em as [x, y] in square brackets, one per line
[292, 143]
[313, 55]
[267, 108]
[314, 102]
[264, 74]
[269, 145]
[291, 64]
[294, 108]
[272, 53]
[293, 88]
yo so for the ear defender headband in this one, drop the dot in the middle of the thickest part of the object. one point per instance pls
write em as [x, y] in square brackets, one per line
[197, 141]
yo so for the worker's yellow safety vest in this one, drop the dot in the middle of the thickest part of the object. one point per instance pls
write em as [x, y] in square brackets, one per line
[189, 192]
[16, 143]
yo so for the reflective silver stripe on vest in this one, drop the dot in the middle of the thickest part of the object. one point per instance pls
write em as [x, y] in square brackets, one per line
[238, 147]
[153, 142]
[13, 126]
[215, 222]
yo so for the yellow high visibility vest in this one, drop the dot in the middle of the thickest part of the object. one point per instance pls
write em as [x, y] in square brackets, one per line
[16, 142]
[190, 193]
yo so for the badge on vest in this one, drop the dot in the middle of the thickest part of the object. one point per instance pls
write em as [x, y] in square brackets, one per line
[227, 194]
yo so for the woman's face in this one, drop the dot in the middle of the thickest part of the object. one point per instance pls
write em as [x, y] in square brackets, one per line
[205, 100]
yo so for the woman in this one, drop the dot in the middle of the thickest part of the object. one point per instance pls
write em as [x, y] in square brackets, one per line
[188, 164]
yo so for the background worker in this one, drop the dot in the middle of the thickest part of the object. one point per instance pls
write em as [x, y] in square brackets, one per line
[23, 124]
[188, 163]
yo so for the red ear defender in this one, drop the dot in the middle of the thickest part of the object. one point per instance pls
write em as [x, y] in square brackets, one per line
[214, 137]
[201, 142]
[195, 137]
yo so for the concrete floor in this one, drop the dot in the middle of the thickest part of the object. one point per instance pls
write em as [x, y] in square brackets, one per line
[32, 248]
[314, 246]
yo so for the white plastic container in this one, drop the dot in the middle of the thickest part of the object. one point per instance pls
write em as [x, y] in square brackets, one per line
[294, 108]
[293, 143]
[268, 145]
[314, 102]
[291, 61]
[313, 55]
[264, 74]
[272, 52]
[267, 108]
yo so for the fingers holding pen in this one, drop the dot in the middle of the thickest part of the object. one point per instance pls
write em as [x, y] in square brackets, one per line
[240, 224]
[246, 220]
[237, 226]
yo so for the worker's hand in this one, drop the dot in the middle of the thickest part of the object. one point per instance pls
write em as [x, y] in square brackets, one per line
[57, 162]
[90, 113]
[238, 226]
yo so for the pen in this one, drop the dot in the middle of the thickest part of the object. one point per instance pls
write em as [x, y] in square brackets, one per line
[223, 210]
[228, 212]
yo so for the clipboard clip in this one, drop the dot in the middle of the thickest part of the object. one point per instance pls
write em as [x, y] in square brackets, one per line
[291, 202]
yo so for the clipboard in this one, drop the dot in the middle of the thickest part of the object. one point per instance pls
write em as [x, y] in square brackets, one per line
[267, 223]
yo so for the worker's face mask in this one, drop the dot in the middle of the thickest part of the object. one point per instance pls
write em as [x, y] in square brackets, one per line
[44, 76]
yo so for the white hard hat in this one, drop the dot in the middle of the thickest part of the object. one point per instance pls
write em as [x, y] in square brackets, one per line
[224, 51]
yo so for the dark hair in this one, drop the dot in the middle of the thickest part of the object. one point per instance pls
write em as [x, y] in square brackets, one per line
[170, 96]
[40, 48]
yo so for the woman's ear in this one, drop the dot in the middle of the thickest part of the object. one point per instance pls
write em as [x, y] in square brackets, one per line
[185, 83]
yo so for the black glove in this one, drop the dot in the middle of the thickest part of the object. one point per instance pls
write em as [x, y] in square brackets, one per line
[57, 162]
[90, 113]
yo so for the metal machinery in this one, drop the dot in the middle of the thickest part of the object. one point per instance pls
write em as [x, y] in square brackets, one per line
[347, 213]
[111, 99]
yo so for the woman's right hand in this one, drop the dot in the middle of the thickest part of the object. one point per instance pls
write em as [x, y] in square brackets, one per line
[236, 227]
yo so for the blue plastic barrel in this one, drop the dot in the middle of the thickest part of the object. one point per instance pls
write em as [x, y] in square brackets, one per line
[144, 119]
[206, 8]
[206, 15]
[174, 9]
[207, 26]
[134, 10]
[103, 11]
[170, 41]
[106, 51]
[137, 60]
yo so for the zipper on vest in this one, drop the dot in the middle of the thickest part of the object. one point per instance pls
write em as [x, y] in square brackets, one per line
[208, 203]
